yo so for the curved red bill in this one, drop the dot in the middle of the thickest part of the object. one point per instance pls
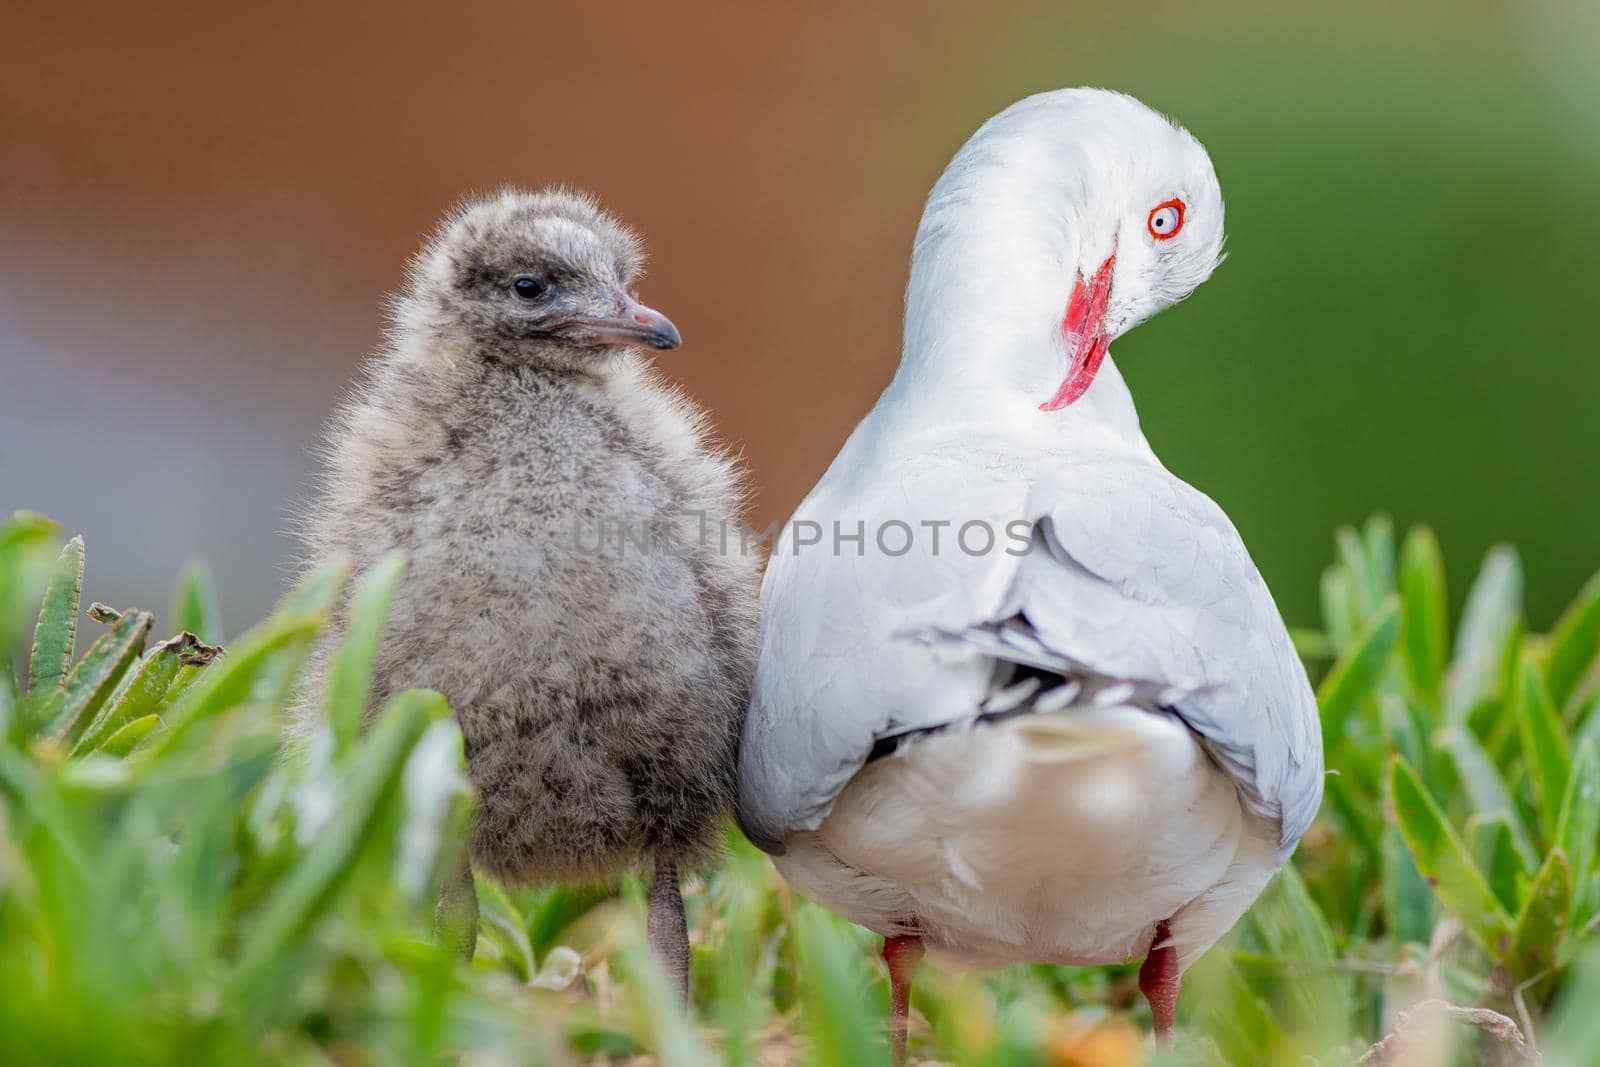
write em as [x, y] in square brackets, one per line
[1084, 332]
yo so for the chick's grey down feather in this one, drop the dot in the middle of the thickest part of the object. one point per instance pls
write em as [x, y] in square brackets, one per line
[553, 496]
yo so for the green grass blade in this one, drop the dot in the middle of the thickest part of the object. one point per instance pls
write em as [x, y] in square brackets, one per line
[195, 606]
[28, 547]
[1578, 827]
[1485, 788]
[500, 923]
[1377, 537]
[1358, 565]
[1588, 728]
[659, 1021]
[306, 890]
[1574, 645]
[56, 631]
[1442, 858]
[1232, 1011]
[252, 667]
[841, 1019]
[557, 908]
[96, 675]
[1294, 932]
[1538, 938]
[350, 672]
[1312, 644]
[1573, 1033]
[1492, 612]
[1495, 852]
[1341, 616]
[1353, 679]
[315, 593]
[1425, 614]
[729, 954]
[10, 702]
[1351, 801]
[148, 690]
[131, 733]
[1410, 908]
[1405, 726]
[231, 681]
[1544, 745]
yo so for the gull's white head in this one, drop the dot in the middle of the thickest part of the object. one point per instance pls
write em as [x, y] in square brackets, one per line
[1067, 219]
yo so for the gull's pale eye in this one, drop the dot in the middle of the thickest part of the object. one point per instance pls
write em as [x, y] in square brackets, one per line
[1165, 220]
[527, 288]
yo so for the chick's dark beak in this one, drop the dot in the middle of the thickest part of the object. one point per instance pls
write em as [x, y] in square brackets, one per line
[634, 325]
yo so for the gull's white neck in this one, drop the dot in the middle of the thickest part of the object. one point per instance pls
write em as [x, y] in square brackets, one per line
[989, 289]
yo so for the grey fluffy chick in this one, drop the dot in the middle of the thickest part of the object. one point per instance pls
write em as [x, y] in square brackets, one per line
[511, 438]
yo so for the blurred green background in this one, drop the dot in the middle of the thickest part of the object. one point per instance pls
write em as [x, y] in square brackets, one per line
[200, 210]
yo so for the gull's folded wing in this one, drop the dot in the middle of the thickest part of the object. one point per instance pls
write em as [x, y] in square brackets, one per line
[1131, 577]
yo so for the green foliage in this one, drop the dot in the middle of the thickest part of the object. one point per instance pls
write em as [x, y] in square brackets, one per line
[57, 628]
[1487, 890]
[1356, 672]
[1443, 859]
[180, 884]
[196, 608]
[173, 890]
[350, 674]
[1427, 611]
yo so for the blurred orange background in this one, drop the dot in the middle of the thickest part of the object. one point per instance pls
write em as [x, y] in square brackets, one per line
[203, 206]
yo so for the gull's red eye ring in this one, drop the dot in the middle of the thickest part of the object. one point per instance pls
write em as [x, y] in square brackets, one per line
[1165, 220]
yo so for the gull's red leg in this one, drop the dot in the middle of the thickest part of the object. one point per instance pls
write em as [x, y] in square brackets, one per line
[1159, 981]
[902, 955]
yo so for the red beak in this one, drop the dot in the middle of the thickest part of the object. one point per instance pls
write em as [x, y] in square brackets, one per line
[1084, 332]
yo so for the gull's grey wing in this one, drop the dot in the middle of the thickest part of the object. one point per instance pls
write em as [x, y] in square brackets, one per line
[1133, 579]
[839, 666]
[1140, 576]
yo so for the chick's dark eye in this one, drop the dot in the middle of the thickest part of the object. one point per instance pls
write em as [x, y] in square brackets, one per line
[527, 288]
